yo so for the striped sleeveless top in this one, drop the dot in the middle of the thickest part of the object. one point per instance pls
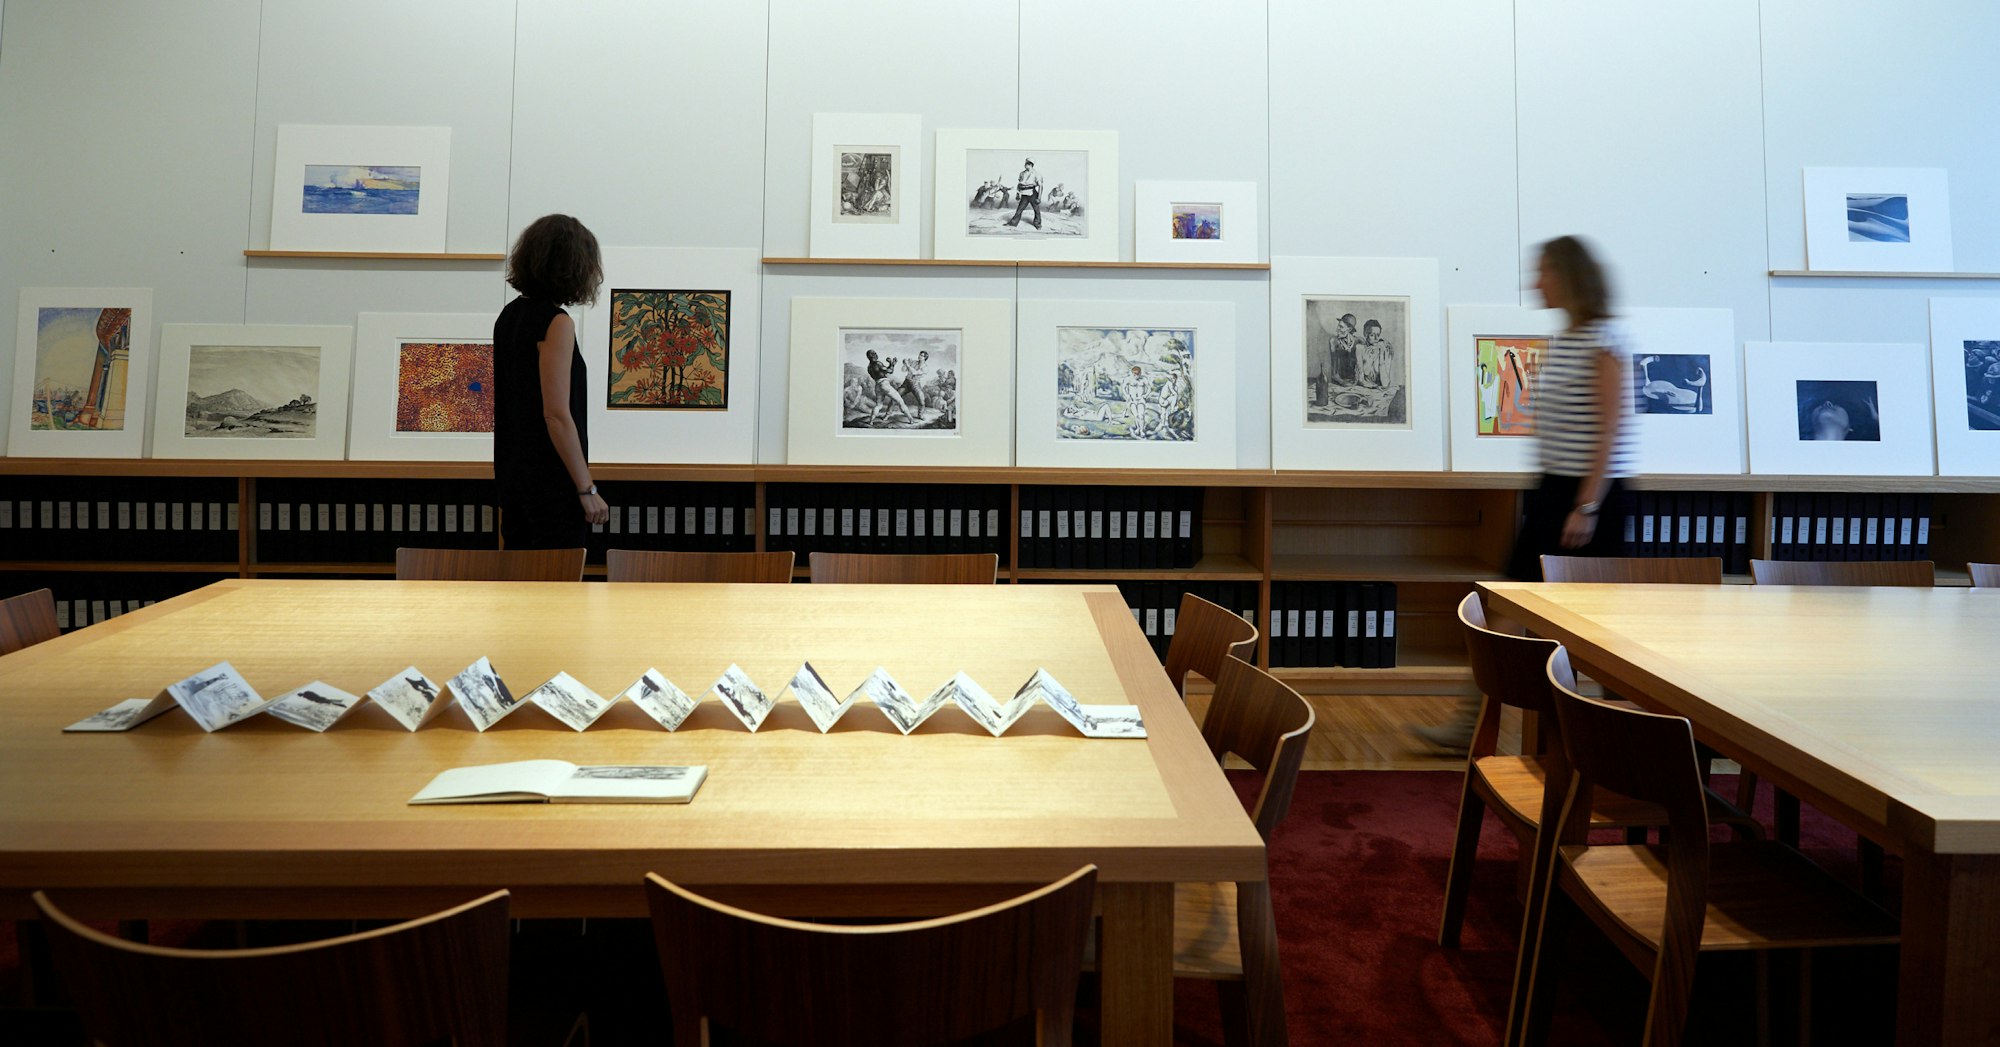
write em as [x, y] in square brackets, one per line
[1567, 424]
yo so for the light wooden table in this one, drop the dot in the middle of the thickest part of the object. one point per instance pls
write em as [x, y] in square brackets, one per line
[1880, 706]
[264, 819]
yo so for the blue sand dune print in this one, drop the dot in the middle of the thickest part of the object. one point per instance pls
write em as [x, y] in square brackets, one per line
[349, 189]
[1882, 218]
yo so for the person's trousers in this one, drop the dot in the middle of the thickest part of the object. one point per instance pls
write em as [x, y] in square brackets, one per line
[1547, 507]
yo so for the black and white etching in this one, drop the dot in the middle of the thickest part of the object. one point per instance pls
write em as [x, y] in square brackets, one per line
[867, 189]
[1357, 361]
[567, 699]
[743, 697]
[809, 689]
[894, 379]
[263, 391]
[217, 696]
[1027, 196]
[966, 693]
[316, 706]
[667, 704]
[1094, 721]
[483, 695]
[124, 716]
[409, 696]
[631, 773]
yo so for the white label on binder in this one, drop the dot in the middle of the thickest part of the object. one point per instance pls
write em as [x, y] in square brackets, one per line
[1309, 624]
[1840, 530]
[993, 522]
[48, 514]
[97, 612]
[1187, 524]
[431, 518]
[104, 516]
[791, 520]
[812, 522]
[1742, 530]
[284, 516]
[7, 513]
[451, 519]
[1027, 523]
[1908, 530]
[667, 516]
[1923, 530]
[1042, 521]
[1648, 532]
[687, 519]
[1786, 529]
[1701, 529]
[1150, 533]
[381, 516]
[1874, 530]
[882, 521]
[937, 523]
[1819, 531]
[396, 516]
[902, 523]
[772, 527]
[1388, 623]
[1326, 623]
[63, 512]
[180, 518]
[1685, 524]
[1368, 624]
[62, 615]
[919, 520]
[1354, 623]
[864, 524]
[1077, 526]
[633, 518]
[846, 522]
[1167, 617]
[1152, 621]
[1062, 525]
[957, 523]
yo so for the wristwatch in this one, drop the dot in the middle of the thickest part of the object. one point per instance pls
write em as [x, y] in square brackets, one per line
[592, 489]
[1586, 509]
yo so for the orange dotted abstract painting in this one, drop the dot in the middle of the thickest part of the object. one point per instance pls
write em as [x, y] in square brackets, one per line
[445, 387]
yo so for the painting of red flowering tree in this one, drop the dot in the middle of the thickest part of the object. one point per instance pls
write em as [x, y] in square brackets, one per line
[669, 349]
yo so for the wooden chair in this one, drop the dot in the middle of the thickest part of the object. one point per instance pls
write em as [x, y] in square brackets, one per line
[490, 565]
[27, 620]
[1204, 634]
[1226, 932]
[1985, 575]
[1664, 570]
[776, 981]
[1511, 671]
[900, 569]
[1664, 905]
[1914, 573]
[633, 565]
[434, 979]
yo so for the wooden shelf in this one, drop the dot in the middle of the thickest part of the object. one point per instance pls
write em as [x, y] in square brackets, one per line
[1311, 567]
[121, 566]
[1792, 274]
[1219, 568]
[386, 256]
[990, 263]
[322, 568]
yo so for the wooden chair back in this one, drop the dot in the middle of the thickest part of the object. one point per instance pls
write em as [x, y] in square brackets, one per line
[1985, 575]
[27, 620]
[901, 569]
[636, 565]
[438, 978]
[1661, 570]
[1915, 573]
[1507, 669]
[777, 981]
[1265, 723]
[490, 565]
[1205, 633]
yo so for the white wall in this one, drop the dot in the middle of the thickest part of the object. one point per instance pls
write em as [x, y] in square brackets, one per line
[139, 139]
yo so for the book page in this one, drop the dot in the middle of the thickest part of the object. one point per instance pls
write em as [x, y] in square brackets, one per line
[483, 695]
[1094, 721]
[316, 706]
[744, 698]
[991, 714]
[409, 696]
[217, 697]
[629, 784]
[895, 703]
[519, 781]
[125, 715]
[567, 699]
[668, 705]
[811, 691]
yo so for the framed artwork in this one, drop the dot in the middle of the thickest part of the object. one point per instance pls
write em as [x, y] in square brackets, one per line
[1356, 365]
[360, 188]
[1195, 222]
[1134, 385]
[83, 357]
[1687, 377]
[672, 350]
[866, 186]
[1495, 359]
[1870, 219]
[879, 381]
[1839, 409]
[252, 391]
[1027, 195]
[423, 388]
[1965, 377]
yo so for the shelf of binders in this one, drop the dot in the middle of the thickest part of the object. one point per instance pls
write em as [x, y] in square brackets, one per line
[1335, 567]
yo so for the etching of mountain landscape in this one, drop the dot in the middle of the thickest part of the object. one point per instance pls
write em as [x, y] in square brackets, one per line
[258, 392]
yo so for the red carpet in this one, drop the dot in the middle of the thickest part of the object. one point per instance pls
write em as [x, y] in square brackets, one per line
[1358, 873]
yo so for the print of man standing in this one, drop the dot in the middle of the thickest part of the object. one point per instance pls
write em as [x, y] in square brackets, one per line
[1028, 185]
[879, 373]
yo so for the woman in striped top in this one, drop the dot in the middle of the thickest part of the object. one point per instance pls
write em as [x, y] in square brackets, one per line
[1582, 411]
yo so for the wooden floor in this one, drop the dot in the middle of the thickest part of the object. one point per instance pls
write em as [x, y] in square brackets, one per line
[1357, 732]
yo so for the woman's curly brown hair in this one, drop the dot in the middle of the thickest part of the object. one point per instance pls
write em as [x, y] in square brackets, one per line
[556, 260]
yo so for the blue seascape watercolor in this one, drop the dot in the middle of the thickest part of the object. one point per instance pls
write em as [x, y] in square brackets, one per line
[348, 189]
[1882, 218]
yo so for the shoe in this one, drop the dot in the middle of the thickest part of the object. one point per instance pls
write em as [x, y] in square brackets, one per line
[1452, 739]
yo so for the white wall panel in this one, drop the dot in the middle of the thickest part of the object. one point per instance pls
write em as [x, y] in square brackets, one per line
[1183, 82]
[125, 155]
[643, 119]
[1392, 134]
[1641, 130]
[956, 65]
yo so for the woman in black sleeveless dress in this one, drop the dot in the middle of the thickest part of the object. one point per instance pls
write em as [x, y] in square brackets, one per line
[541, 442]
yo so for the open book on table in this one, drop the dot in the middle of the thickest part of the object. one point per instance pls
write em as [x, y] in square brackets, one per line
[559, 781]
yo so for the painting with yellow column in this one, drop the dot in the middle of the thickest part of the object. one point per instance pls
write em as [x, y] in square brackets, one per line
[79, 355]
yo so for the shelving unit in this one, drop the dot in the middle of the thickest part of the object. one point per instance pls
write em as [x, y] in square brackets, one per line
[384, 256]
[1791, 274]
[986, 263]
[1433, 534]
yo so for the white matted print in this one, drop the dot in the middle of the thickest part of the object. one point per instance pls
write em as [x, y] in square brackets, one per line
[1356, 364]
[1965, 371]
[1126, 385]
[1687, 377]
[1027, 195]
[1495, 361]
[423, 388]
[1212, 222]
[866, 185]
[360, 188]
[252, 391]
[729, 280]
[1887, 219]
[82, 357]
[882, 381]
[1831, 409]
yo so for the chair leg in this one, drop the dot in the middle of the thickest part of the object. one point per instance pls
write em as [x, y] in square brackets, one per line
[1260, 999]
[1464, 855]
[1746, 791]
[38, 971]
[1235, 1017]
[1535, 974]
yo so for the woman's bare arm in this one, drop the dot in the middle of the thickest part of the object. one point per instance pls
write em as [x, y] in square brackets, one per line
[553, 357]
